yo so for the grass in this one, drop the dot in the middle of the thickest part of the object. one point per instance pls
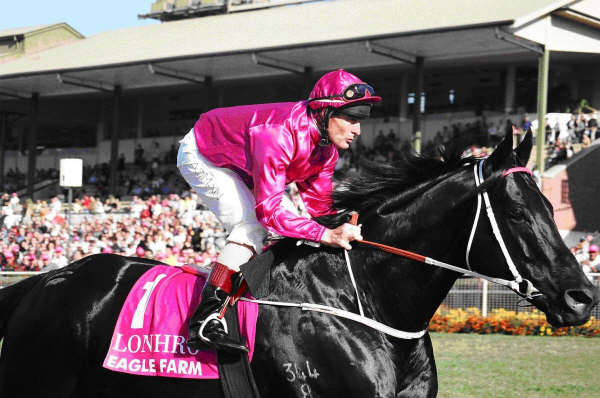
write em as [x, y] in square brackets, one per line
[471, 365]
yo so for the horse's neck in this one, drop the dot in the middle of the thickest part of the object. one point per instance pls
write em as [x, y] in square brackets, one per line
[405, 293]
[399, 292]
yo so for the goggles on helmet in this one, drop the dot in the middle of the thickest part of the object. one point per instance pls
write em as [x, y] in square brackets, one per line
[357, 91]
[351, 93]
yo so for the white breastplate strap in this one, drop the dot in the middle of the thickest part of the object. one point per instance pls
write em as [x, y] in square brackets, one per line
[349, 265]
[373, 324]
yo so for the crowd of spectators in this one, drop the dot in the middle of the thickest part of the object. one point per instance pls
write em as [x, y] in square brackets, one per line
[587, 253]
[174, 229]
[147, 175]
[581, 131]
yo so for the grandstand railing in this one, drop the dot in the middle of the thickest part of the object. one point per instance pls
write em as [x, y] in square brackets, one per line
[466, 293]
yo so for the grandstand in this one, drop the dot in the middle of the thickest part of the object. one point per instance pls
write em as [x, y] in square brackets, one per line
[443, 75]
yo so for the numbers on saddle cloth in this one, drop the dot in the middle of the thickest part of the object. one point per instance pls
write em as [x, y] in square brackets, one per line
[137, 322]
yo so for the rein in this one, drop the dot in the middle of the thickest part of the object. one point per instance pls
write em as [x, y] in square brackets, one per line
[519, 285]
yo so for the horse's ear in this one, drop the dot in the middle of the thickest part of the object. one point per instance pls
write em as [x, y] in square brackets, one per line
[523, 150]
[503, 150]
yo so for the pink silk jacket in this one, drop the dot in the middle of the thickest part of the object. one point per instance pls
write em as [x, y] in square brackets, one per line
[270, 146]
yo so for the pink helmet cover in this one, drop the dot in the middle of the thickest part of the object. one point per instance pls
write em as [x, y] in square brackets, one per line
[334, 83]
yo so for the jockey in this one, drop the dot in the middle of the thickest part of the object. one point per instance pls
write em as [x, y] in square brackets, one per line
[239, 161]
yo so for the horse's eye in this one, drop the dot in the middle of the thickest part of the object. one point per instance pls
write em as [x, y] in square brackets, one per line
[516, 214]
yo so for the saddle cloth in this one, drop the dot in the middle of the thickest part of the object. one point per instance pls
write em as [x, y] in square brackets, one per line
[150, 335]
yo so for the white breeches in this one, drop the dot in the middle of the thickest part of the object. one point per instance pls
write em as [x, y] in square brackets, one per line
[223, 192]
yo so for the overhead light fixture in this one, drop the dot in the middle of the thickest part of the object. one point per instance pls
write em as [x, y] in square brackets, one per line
[390, 52]
[76, 81]
[175, 74]
[260, 59]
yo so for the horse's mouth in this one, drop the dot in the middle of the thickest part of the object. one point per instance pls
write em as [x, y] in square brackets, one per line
[572, 308]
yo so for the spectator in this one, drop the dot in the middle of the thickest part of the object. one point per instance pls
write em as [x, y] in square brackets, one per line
[593, 126]
[592, 264]
[526, 124]
[571, 127]
[581, 127]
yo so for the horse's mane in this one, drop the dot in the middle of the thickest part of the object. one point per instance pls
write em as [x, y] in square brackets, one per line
[381, 185]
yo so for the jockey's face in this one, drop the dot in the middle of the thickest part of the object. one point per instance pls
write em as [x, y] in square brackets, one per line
[342, 131]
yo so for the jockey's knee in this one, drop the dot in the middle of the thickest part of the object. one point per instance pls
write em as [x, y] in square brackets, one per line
[251, 235]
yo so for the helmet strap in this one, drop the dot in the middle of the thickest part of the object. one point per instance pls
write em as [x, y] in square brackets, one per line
[323, 125]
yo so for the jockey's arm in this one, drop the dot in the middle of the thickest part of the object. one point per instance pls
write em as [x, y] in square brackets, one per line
[270, 160]
[316, 194]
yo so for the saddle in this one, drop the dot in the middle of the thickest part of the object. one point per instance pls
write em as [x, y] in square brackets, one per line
[150, 333]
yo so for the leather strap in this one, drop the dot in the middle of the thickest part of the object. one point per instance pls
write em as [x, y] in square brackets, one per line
[220, 276]
[236, 377]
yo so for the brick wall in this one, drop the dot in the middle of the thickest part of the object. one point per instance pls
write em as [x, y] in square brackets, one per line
[575, 192]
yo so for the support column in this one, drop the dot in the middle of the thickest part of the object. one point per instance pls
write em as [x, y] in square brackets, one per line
[509, 88]
[209, 94]
[140, 119]
[419, 84]
[3, 132]
[31, 144]
[221, 97]
[308, 81]
[114, 138]
[403, 111]
[542, 95]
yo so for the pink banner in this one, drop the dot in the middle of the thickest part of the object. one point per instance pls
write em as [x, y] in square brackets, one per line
[151, 333]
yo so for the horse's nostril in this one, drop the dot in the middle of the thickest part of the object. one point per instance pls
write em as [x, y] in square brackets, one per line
[578, 300]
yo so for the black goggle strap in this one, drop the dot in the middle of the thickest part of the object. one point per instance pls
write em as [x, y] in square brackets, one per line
[353, 92]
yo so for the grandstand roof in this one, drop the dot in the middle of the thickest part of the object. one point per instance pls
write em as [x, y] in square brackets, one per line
[29, 29]
[20, 31]
[321, 35]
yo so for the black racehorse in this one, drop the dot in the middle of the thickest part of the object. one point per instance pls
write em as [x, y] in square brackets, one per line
[57, 326]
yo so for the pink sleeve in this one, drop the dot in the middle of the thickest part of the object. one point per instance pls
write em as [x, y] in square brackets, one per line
[272, 151]
[316, 191]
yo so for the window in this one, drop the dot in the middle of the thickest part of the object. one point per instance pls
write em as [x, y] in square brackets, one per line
[564, 192]
[411, 101]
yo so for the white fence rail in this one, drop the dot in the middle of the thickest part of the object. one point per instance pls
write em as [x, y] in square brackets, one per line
[469, 292]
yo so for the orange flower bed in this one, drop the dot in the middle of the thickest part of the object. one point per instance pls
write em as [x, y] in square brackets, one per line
[531, 323]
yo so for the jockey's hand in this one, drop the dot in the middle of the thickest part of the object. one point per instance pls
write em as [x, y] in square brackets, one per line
[342, 236]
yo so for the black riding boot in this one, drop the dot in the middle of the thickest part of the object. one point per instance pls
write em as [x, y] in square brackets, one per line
[207, 326]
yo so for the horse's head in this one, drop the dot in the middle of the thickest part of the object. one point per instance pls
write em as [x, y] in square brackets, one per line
[533, 243]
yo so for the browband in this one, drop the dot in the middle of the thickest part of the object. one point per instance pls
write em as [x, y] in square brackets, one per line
[516, 170]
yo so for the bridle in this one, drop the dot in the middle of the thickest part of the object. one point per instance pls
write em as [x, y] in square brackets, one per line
[523, 287]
